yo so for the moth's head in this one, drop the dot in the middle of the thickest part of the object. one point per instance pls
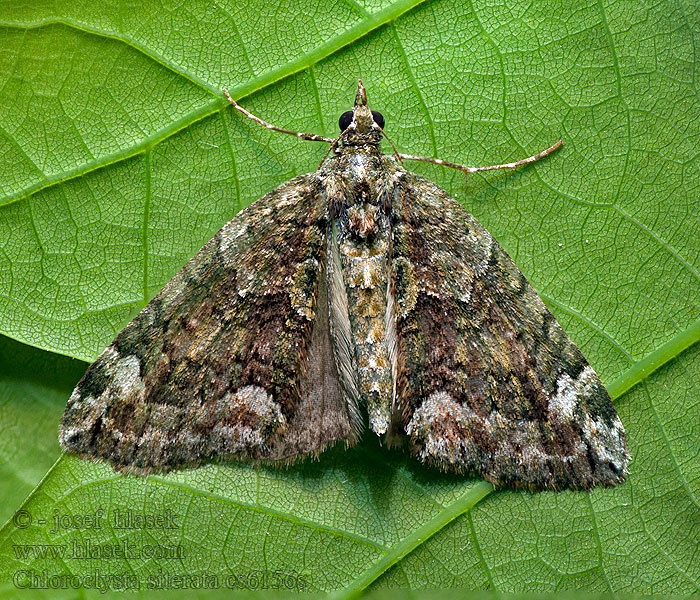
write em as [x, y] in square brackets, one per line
[361, 126]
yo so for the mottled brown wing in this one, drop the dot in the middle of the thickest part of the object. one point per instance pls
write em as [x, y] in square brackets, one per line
[233, 356]
[487, 380]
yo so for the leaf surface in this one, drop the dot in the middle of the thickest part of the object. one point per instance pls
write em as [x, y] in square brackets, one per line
[120, 158]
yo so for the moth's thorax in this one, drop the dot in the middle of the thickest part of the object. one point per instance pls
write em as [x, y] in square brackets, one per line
[359, 177]
[363, 219]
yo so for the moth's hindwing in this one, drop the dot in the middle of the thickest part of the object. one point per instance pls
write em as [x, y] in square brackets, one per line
[233, 356]
[487, 380]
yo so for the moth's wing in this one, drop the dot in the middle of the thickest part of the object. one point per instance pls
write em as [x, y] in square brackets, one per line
[487, 380]
[233, 356]
[325, 412]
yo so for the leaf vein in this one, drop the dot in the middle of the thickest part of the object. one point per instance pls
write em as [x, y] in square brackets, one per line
[266, 510]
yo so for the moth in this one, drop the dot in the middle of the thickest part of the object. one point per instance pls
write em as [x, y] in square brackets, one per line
[357, 296]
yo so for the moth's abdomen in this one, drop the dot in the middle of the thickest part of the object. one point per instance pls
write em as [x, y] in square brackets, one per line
[363, 243]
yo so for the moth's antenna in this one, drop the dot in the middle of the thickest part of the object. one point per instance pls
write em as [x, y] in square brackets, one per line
[467, 170]
[310, 137]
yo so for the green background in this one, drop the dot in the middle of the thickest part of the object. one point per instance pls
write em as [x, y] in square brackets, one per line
[119, 158]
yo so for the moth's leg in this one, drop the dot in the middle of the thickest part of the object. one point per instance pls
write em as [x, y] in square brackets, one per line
[331, 148]
[311, 137]
[466, 170]
[396, 152]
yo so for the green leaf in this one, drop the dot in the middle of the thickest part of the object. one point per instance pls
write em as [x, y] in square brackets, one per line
[120, 158]
[34, 386]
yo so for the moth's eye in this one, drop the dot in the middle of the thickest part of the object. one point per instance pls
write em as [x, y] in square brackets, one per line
[378, 118]
[345, 120]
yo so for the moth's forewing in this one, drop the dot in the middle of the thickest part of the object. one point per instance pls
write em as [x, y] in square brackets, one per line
[225, 359]
[488, 381]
